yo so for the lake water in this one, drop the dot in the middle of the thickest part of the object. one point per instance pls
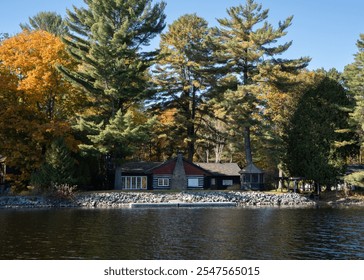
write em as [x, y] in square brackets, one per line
[205, 233]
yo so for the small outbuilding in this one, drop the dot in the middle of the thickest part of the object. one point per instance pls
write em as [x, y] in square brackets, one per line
[252, 178]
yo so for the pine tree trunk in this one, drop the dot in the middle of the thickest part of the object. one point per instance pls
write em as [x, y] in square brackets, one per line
[191, 135]
[191, 139]
[247, 147]
[191, 150]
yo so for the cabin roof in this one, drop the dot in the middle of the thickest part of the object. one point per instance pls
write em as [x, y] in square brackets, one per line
[251, 169]
[221, 169]
[138, 167]
[168, 166]
[190, 168]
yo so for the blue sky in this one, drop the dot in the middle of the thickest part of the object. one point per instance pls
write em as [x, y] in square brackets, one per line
[325, 30]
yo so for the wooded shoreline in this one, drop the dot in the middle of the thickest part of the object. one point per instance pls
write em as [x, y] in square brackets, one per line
[92, 94]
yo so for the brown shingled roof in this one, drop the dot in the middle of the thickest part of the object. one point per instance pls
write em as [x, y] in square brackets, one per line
[251, 169]
[138, 167]
[221, 169]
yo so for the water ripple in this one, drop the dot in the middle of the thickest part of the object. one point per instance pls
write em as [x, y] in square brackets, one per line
[238, 233]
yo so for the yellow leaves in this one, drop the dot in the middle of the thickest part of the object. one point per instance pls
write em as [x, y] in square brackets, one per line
[162, 136]
[33, 56]
[218, 111]
[196, 84]
[137, 116]
[8, 81]
[36, 102]
[167, 117]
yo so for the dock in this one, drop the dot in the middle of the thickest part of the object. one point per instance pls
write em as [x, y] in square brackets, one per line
[183, 205]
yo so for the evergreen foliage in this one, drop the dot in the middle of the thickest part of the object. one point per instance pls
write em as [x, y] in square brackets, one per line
[278, 99]
[354, 78]
[106, 39]
[87, 85]
[246, 48]
[118, 138]
[58, 169]
[4, 36]
[183, 74]
[312, 136]
[46, 21]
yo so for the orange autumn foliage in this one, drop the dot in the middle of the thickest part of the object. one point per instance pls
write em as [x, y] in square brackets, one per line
[36, 103]
[33, 57]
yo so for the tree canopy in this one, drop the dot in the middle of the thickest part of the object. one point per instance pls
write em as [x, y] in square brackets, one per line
[183, 73]
[46, 21]
[86, 92]
[354, 78]
[106, 40]
[312, 150]
[37, 103]
[247, 50]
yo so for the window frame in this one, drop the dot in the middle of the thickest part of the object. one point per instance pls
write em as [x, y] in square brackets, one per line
[227, 182]
[163, 182]
[134, 182]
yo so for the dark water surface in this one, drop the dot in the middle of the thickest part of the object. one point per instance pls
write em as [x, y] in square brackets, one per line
[227, 233]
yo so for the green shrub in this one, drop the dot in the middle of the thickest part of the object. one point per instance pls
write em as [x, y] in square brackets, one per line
[63, 192]
[58, 169]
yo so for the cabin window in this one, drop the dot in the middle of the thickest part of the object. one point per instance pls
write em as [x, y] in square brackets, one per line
[227, 182]
[163, 182]
[134, 182]
[193, 183]
[246, 178]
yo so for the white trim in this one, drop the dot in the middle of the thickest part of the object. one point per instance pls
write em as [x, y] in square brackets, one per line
[163, 182]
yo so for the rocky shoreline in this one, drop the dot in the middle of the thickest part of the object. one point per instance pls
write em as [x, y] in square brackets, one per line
[125, 199]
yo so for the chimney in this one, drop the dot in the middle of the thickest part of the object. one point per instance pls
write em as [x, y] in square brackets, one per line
[179, 179]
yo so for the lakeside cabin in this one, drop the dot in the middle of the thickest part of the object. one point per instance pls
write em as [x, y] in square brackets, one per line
[223, 175]
[176, 174]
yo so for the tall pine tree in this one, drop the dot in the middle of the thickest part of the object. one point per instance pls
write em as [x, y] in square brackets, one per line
[354, 78]
[106, 39]
[46, 21]
[247, 44]
[183, 73]
[315, 133]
